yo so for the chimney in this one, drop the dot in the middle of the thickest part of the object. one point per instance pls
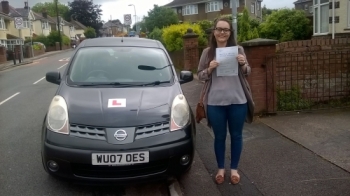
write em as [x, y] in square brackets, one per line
[44, 12]
[5, 7]
[25, 5]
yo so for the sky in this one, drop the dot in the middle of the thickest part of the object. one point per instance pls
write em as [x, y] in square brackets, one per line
[116, 9]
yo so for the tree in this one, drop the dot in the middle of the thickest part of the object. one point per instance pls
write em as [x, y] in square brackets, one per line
[266, 12]
[286, 25]
[244, 27]
[87, 13]
[90, 32]
[50, 8]
[160, 17]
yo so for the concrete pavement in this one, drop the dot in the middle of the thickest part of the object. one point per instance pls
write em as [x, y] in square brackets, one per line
[273, 163]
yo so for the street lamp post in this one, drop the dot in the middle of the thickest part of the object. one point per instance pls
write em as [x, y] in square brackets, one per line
[234, 17]
[135, 18]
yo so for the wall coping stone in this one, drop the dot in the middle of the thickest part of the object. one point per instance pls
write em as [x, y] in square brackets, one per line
[260, 42]
[190, 34]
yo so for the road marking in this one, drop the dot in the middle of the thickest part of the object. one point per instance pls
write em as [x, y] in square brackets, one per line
[9, 98]
[65, 59]
[62, 66]
[39, 80]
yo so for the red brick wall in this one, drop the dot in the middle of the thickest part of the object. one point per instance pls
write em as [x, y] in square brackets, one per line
[324, 43]
[36, 52]
[321, 75]
[263, 94]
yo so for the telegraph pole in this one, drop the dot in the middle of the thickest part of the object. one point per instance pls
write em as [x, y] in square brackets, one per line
[58, 24]
[31, 33]
[234, 17]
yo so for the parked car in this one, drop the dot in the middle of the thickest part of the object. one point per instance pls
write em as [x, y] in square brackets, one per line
[119, 114]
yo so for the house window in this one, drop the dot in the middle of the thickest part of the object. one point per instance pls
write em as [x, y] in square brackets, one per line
[311, 9]
[26, 24]
[321, 16]
[237, 3]
[2, 23]
[252, 8]
[214, 6]
[190, 9]
[258, 6]
[3, 43]
[71, 28]
[45, 25]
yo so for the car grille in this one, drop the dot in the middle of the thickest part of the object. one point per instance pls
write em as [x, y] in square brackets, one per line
[88, 132]
[99, 133]
[96, 171]
[151, 130]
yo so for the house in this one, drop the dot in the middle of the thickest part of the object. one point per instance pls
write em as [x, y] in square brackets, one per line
[323, 21]
[67, 29]
[196, 10]
[42, 24]
[79, 29]
[306, 6]
[112, 28]
[9, 35]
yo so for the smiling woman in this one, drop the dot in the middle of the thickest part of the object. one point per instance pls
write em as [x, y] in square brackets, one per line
[119, 64]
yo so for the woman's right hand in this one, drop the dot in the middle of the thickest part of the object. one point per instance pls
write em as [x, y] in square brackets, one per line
[212, 65]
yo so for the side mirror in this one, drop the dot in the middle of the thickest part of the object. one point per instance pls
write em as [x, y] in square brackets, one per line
[186, 76]
[53, 77]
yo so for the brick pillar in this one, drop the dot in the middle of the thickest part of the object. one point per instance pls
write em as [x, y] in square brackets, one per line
[260, 53]
[191, 50]
[57, 44]
[3, 58]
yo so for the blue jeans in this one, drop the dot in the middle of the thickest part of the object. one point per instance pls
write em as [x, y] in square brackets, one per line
[219, 116]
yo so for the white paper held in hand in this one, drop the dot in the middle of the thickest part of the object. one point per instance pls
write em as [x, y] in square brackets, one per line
[228, 64]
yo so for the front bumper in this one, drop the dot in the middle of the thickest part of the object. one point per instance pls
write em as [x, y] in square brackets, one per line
[76, 164]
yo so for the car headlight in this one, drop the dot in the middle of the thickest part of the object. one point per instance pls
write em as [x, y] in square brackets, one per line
[180, 113]
[57, 117]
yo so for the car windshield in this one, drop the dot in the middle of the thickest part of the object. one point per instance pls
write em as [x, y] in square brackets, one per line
[119, 65]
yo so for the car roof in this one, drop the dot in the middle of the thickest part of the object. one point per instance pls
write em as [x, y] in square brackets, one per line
[120, 41]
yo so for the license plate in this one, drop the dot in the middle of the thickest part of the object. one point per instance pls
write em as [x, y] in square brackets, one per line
[120, 158]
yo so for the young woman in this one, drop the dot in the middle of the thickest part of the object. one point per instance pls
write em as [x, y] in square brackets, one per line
[227, 99]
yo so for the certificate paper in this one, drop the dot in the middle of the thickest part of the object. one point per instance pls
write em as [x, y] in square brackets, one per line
[228, 64]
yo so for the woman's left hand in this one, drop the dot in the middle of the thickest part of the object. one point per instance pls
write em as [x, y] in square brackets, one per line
[241, 59]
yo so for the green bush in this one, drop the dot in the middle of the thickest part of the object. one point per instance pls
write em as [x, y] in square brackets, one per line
[290, 100]
[65, 40]
[156, 34]
[37, 47]
[173, 35]
[41, 38]
[286, 25]
[205, 24]
[53, 37]
[90, 32]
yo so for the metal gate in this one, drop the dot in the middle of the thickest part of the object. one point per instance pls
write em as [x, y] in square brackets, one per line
[308, 81]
